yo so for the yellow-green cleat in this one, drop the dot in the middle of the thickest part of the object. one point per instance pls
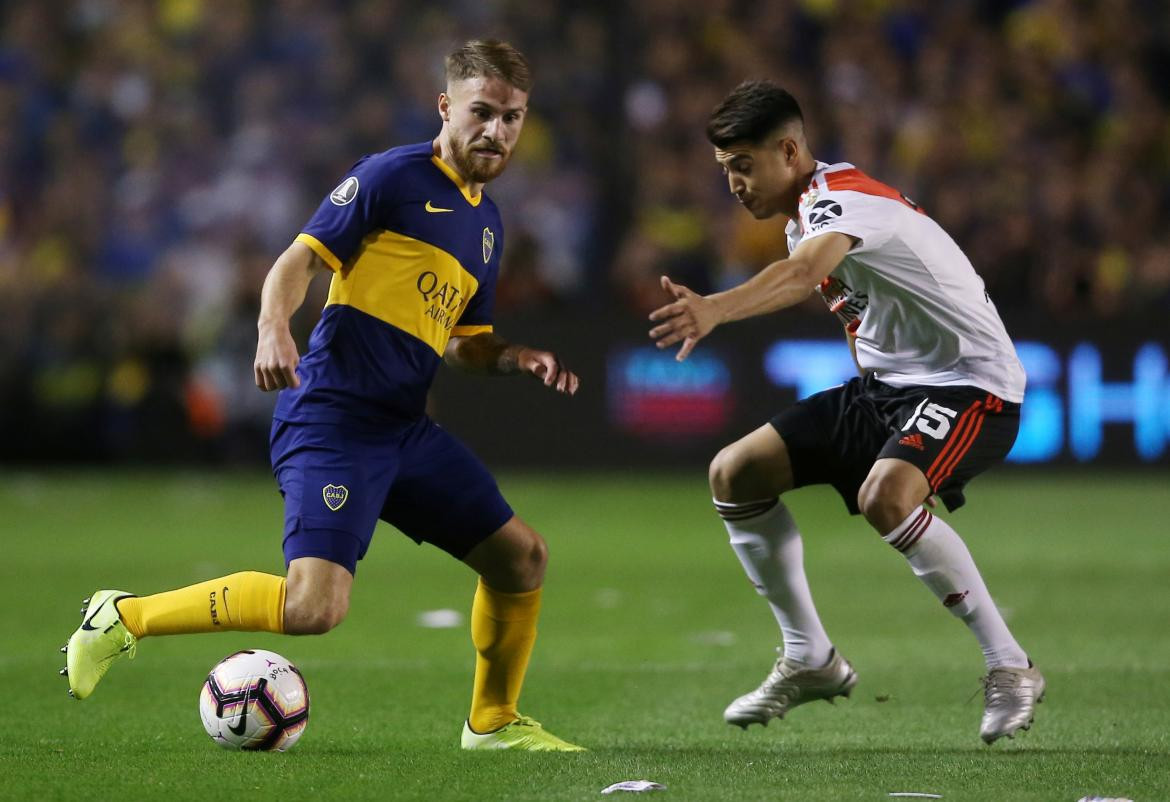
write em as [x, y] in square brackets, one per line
[100, 640]
[524, 733]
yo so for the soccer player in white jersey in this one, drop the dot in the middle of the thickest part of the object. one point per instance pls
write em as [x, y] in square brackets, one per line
[937, 401]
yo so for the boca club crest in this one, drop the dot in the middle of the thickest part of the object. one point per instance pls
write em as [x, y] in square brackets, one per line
[335, 496]
[489, 241]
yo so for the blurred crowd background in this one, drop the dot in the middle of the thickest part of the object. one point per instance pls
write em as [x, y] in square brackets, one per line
[157, 155]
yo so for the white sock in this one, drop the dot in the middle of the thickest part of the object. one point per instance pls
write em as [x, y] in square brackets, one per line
[941, 560]
[767, 542]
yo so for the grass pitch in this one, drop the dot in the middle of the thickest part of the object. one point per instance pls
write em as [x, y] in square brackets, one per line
[648, 630]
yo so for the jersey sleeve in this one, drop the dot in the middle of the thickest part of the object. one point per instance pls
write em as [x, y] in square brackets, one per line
[356, 207]
[477, 315]
[854, 214]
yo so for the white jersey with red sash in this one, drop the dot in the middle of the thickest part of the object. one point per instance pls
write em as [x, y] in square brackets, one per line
[917, 307]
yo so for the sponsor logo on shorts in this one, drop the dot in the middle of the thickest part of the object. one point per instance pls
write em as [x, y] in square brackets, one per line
[335, 496]
[913, 441]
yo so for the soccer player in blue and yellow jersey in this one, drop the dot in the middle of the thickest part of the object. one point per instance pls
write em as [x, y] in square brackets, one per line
[414, 248]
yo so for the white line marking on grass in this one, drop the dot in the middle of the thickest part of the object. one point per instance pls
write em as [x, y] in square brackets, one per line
[717, 637]
[439, 619]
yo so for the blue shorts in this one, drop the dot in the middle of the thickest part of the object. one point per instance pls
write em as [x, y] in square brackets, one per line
[338, 480]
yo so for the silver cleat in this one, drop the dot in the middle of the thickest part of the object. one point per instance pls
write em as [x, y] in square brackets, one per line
[790, 685]
[1010, 698]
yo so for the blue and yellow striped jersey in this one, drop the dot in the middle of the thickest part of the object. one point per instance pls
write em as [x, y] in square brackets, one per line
[414, 259]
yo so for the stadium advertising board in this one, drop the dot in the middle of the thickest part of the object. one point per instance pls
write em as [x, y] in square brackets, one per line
[1102, 400]
[1070, 409]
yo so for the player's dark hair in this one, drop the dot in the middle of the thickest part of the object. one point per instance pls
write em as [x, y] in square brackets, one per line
[750, 112]
[490, 57]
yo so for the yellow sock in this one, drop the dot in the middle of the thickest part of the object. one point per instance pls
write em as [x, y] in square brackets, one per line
[249, 601]
[503, 629]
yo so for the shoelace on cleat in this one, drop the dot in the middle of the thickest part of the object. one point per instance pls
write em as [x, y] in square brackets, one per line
[771, 689]
[998, 685]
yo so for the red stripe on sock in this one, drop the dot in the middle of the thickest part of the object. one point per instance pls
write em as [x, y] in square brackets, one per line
[918, 535]
[738, 512]
[897, 542]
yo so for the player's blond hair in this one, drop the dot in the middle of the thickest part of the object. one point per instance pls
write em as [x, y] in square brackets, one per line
[490, 57]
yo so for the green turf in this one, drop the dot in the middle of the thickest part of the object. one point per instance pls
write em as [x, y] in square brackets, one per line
[649, 628]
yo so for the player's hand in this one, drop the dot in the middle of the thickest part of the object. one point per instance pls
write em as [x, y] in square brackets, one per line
[276, 359]
[690, 318]
[545, 366]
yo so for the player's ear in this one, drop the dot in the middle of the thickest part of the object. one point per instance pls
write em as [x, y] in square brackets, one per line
[444, 106]
[789, 149]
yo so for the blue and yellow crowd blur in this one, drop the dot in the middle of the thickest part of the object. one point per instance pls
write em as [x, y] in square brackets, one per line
[157, 155]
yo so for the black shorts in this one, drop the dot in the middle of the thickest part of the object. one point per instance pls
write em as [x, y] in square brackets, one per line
[951, 433]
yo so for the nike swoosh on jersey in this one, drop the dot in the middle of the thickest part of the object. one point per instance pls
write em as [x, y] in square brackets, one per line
[430, 207]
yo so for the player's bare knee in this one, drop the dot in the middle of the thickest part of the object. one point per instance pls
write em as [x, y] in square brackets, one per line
[334, 614]
[883, 505]
[313, 616]
[537, 561]
[320, 622]
[726, 474]
[718, 475]
[313, 608]
[526, 569]
[512, 560]
[753, 468]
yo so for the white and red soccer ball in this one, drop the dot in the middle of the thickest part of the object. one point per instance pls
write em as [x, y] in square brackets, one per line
[255, 700]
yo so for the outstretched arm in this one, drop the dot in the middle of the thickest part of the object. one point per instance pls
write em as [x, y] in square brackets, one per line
[488, 353]
[284, 292]
[691, 317]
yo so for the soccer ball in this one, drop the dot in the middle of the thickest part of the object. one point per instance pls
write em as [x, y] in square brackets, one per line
[254, 700]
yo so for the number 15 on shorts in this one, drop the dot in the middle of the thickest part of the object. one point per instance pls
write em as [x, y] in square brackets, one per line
[931, 419]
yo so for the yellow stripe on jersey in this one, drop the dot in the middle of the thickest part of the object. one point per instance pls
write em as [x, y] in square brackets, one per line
[318, 247]
[469, 331]
[410, 284]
